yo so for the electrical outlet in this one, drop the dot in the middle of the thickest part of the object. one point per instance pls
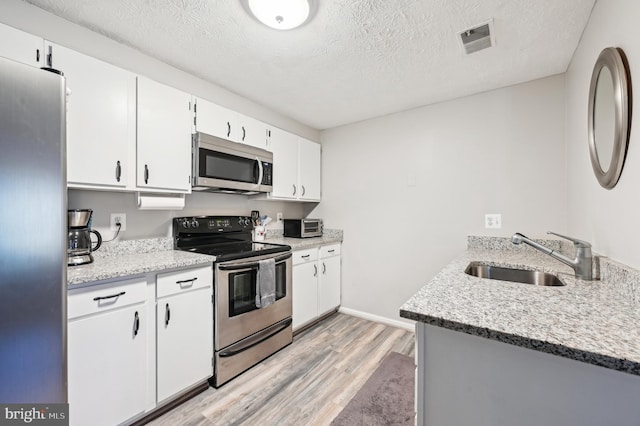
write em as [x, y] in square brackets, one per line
[120, 218]
[279, 216]
[493, 220]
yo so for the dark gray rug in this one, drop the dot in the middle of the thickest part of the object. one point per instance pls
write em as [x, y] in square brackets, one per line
[386, 398]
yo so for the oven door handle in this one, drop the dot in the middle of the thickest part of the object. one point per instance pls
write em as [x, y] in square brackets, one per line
[255, 340]
[249, 265]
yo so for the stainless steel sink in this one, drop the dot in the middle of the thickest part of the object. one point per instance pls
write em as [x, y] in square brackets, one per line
[511, 274]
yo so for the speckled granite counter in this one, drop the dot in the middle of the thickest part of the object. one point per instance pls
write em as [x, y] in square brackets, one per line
[133, 258]
[329, 236]
[590, 321]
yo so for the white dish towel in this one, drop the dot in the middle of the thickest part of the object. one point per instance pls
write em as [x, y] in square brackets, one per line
[266, 283]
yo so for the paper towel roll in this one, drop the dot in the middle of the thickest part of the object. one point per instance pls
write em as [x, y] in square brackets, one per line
[160, 202]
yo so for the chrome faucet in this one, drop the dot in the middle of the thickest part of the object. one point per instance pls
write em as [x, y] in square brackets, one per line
[582, 264]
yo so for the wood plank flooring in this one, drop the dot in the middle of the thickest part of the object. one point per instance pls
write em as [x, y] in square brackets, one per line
[307, 383]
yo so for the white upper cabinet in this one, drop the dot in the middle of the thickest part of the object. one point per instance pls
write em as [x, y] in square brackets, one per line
[21, 47]
[254, 132]
[216, 120]
[309, 170]
[100, 119]
[285, 164]
[164, 137]
[296, 167]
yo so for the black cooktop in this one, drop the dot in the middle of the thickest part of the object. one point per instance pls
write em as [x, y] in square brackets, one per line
[226, 237]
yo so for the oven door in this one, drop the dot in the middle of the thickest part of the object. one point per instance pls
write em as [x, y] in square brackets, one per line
[236, 313]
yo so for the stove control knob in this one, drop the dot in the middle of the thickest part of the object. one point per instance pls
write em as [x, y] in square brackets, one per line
[240, 221]
[186, 223]
[246, 222]
[194, 223]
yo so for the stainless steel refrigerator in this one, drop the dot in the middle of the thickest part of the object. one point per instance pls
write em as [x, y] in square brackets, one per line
[33, 204]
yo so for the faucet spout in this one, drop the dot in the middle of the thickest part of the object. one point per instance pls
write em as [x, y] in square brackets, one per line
[583, 262]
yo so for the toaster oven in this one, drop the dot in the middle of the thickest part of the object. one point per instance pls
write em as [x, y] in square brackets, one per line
[302, 228]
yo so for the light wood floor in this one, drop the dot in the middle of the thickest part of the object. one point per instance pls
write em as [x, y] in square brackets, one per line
[306, 383]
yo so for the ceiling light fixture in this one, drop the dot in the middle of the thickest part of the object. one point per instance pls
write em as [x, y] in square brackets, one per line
[281, 14]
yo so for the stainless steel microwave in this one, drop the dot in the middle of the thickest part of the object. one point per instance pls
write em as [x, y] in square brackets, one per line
[220, 165]
[302, 228]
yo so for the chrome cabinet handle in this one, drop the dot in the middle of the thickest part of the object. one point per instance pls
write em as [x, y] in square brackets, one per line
[331, 251]
[244, 133]
[146, 174]
[118, 171]
[315, 272]
[306, 256]
[294, 189]
[303, 190]
[167, 314]
[228, 129]
[38, 55]
[136, 323]
[324, 268]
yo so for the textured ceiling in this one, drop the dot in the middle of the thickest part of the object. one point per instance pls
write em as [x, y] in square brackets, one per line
[355, 60]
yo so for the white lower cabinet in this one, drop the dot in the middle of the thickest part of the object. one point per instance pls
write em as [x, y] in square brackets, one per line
[304, 286]
[329, 278]
[316, 283]
[107, 353]
[123, 361]
[184, 324]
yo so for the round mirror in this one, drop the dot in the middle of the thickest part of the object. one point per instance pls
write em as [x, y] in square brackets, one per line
[609, 116]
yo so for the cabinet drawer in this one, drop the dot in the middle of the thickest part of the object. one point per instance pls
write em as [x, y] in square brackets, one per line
[304, 256]
[330, 250]
[99, 298]
[184, 280]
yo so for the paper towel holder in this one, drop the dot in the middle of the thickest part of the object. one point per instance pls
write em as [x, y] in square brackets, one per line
[153, 201]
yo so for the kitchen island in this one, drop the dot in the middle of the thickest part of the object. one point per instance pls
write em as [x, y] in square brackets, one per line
[500, 353]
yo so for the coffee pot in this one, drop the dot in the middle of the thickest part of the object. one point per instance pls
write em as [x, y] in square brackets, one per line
[79, 244]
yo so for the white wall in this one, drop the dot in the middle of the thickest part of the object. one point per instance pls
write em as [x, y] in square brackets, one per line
[496, 152]
[608, 218]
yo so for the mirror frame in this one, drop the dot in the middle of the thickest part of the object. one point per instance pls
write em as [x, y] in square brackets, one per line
[615, 61]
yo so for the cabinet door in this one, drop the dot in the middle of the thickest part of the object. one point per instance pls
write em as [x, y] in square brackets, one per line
[329, 284]
[20, 46]
[100, 119]
[216, 120]
[107, 364]
[309, 170]
[305, 293]
[253, 132]
[185, 341]
[285, 164]
[164, 137]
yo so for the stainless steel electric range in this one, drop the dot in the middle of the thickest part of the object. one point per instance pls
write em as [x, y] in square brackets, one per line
[244, 333]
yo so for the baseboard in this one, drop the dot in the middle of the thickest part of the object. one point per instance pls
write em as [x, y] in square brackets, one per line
[376, 318]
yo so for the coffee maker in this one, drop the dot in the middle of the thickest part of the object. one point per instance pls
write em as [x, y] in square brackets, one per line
[79, 244]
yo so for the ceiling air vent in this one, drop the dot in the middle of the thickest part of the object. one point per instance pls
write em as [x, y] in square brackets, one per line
[477, 38]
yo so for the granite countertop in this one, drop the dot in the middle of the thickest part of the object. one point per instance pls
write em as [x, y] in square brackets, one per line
[133, 258]
[589, 321]
[329, 236]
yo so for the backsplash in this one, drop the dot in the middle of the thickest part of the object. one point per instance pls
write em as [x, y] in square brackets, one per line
[143, 224]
